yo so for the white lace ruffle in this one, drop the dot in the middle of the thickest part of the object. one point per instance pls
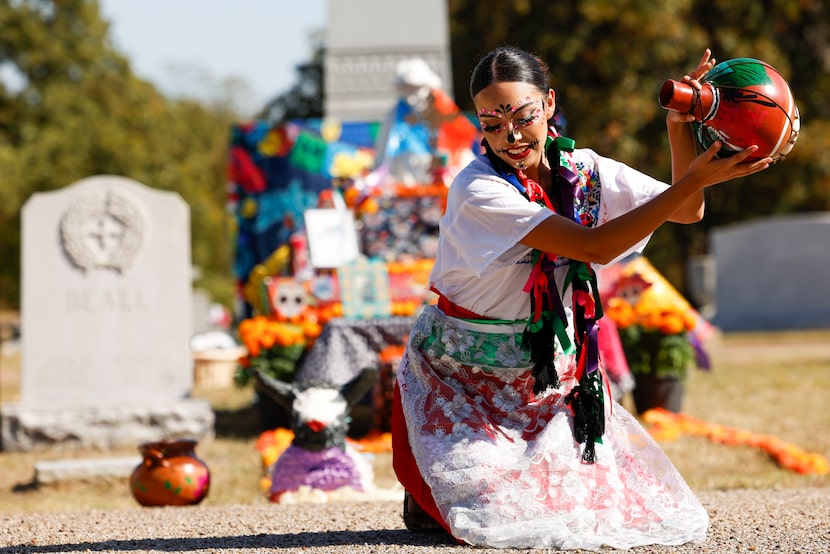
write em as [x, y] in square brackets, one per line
[503, 465]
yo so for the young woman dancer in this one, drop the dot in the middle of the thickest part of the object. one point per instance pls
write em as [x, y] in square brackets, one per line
[503, 432]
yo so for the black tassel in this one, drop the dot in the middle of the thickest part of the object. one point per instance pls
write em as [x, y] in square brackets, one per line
[540, 342]
[586, 402]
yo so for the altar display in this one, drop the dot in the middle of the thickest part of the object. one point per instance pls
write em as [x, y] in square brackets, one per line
[276, 173]
[336, 227]
[292, 179]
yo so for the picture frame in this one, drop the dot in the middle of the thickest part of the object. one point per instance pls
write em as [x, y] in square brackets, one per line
[332, 237]
[364, 289]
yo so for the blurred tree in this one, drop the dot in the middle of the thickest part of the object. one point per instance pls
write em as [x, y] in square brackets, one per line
[608, 60]
[70, 106]
[304, 100]
[77, 111]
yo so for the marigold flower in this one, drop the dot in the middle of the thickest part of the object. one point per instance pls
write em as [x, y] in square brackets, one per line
[672, 324]
[666, 425]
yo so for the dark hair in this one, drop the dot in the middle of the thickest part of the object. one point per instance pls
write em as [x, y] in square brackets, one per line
[508, 64]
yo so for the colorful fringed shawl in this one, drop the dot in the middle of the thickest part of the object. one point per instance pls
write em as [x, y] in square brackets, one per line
[548, 320]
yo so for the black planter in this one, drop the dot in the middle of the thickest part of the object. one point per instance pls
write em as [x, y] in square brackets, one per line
[658, 392]
[271, 414]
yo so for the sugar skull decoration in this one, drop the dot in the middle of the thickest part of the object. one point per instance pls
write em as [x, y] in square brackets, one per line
[630, 288]
[742, 102]
[289, 299]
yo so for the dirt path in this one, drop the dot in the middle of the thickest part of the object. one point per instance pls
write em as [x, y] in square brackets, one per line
[785, 521]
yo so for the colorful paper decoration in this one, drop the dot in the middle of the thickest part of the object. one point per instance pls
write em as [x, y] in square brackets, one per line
[275, 172]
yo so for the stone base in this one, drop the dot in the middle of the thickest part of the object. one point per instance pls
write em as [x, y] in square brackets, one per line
[53, 471]
[32, 427]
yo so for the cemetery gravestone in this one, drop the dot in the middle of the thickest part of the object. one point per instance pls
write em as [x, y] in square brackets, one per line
[773, 273]
[106, 319]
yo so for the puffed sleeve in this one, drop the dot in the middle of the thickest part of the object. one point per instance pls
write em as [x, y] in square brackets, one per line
[488, 219]
[622, 188]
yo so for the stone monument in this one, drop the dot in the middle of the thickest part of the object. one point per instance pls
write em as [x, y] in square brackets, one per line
[773, 273]
[365, 40]
[106, 319]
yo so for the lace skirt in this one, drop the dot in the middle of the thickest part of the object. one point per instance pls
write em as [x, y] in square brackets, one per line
[502, 464]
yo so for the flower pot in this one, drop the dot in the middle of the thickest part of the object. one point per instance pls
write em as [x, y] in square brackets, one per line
[658, 392]
[170, 474]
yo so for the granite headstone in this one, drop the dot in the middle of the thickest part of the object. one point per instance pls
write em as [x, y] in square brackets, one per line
[360, 65]
[106, 319]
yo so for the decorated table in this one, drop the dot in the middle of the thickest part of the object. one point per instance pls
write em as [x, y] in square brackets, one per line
[347, 346]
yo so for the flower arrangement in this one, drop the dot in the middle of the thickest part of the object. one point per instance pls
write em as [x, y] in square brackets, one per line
[655, 339]
[655, 324]
[664, 425]
[274, 347]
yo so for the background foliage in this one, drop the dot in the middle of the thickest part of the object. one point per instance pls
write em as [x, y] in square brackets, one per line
[81, 111]
[608, 59]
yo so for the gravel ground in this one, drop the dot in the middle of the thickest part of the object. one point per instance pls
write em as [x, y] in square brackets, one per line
[758, 521]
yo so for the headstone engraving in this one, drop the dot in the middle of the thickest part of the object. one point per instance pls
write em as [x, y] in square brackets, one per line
[102, 229]
[106, 319]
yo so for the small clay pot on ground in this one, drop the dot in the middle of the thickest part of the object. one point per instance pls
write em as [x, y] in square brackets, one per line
[170, 474]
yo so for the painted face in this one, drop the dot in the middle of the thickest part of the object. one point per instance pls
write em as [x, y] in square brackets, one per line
[513, 117]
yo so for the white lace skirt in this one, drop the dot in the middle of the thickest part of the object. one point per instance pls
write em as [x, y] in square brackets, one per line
[503, 465]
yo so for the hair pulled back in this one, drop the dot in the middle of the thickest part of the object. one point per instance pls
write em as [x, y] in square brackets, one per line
[508, 64]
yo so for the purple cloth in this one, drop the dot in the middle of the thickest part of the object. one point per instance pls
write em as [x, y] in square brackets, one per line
[701, 357]
[327, 469]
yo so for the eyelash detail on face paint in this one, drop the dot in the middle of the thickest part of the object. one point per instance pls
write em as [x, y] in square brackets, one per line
[518, 124]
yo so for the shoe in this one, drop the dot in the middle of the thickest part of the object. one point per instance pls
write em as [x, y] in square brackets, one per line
[416, 519]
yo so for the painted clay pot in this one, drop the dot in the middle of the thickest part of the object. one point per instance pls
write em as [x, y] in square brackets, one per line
[170, 474]
[742, 102]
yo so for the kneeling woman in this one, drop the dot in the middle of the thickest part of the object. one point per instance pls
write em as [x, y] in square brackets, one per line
[503, 432]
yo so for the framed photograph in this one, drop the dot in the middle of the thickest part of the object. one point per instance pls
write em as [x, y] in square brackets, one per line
[364, 289]
[405, 225]
[332, 238]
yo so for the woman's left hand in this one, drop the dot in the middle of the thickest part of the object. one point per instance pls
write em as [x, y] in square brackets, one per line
[706, 63]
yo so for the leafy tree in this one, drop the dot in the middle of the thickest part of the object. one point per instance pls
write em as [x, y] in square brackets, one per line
[608, 60]
[80, 111]
[304, 100]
